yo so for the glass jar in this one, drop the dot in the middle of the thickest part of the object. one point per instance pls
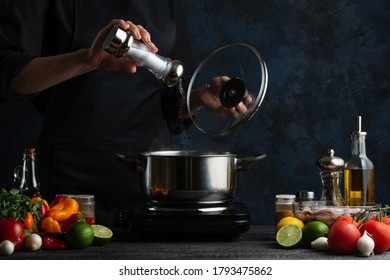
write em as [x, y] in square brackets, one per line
[86, 203]
[284, 206]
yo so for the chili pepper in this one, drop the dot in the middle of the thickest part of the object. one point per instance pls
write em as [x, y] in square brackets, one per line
[57, 199]
[54, 243]
[90, 220]
[64, 209]
[28, 221]
[74, 218]
[50, 225]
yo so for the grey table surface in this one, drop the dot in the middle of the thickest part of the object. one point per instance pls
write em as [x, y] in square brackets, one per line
[257, 243]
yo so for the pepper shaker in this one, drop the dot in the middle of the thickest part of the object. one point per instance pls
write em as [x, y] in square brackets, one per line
[331, 171]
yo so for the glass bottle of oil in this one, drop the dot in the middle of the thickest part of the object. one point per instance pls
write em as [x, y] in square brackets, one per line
[359, 172]
[26, 174]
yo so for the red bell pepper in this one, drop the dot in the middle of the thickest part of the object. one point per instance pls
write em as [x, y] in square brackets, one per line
[54, 243]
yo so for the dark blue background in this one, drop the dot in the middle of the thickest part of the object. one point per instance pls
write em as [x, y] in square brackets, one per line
[328, 61]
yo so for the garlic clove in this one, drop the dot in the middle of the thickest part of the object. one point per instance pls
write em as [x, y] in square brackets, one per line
[321, 243]
[365, 245]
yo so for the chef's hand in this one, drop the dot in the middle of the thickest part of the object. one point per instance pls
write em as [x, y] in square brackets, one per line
[103, 60]
[208, 97]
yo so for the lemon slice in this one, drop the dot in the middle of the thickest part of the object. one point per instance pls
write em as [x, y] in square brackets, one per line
[289, 236]
[102, 235]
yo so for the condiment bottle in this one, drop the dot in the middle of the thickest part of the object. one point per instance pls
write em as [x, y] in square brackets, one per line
[284, 206]
[331, 173]
[29, 183]
[359, 172]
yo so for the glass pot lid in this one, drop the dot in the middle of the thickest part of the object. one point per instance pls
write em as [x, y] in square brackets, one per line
[245, 79]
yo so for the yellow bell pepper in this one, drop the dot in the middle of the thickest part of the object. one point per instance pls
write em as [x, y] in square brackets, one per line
[48, 224]
[64, 209]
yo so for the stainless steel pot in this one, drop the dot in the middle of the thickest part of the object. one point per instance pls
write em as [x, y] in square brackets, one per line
[188, 177]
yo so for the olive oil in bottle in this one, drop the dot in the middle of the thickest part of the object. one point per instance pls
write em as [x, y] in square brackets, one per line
[359, 172]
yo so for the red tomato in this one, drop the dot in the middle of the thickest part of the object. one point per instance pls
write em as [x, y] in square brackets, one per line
[348, 219]
[384, 219]
[12, 230]
[343, 237]
[380, 233]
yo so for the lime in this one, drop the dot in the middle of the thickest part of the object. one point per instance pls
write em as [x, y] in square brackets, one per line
[80, 235]
[313, 230]
[288, 221]
[289, 236]
[102, 234]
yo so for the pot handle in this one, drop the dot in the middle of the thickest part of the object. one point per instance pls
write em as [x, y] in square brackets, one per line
[247, 162]
[133, 163]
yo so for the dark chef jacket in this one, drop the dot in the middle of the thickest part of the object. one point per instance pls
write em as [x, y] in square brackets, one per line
[89, 118]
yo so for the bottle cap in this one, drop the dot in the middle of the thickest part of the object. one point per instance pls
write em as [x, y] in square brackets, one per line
[330, 163]
[302, 195]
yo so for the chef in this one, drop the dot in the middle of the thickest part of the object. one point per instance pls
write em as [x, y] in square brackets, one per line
[94, 104]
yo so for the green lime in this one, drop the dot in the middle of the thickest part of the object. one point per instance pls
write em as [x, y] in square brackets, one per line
[102, 234]
[313, 230]
[80, 235]
[289, 236]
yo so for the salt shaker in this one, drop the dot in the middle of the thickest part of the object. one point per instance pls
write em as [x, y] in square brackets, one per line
[331, 173]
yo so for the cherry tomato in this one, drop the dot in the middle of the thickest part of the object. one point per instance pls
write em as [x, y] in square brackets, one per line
[380, 233]
[343, 237]
[12, 230]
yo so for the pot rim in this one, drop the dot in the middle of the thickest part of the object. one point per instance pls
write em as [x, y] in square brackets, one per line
[187, 153]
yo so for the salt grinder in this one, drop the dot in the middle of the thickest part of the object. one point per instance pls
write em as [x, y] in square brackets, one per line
[331, 172]
[121, 43]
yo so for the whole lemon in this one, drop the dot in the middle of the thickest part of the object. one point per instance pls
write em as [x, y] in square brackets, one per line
[288, 221]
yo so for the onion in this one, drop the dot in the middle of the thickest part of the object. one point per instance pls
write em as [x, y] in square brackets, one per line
[33, 242]
[365, 244]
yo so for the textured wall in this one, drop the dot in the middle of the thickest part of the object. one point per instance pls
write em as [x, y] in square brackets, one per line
[328, 61]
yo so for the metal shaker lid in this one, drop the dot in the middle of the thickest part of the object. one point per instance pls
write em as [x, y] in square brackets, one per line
[330, 163]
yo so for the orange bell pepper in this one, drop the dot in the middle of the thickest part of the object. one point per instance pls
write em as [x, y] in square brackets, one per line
[48, 224]
[63, 210]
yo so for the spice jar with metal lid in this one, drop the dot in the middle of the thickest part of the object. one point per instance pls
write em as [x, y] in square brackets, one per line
[304, 195]
[331, 173]
[284, 206]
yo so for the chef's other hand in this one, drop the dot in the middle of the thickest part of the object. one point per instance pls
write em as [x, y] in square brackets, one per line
[208, 97]
[100, 59]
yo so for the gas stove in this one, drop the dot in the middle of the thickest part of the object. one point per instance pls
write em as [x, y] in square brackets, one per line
[220, 223]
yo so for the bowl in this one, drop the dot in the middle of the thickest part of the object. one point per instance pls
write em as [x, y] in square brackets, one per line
[308, 211]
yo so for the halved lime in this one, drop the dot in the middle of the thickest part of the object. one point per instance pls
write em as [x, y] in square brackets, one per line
[102, 234]
[289, 236]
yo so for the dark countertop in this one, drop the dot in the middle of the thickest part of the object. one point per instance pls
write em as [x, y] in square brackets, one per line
[257, 243]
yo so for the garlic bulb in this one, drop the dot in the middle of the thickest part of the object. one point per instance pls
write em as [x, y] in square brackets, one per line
[365, 244]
